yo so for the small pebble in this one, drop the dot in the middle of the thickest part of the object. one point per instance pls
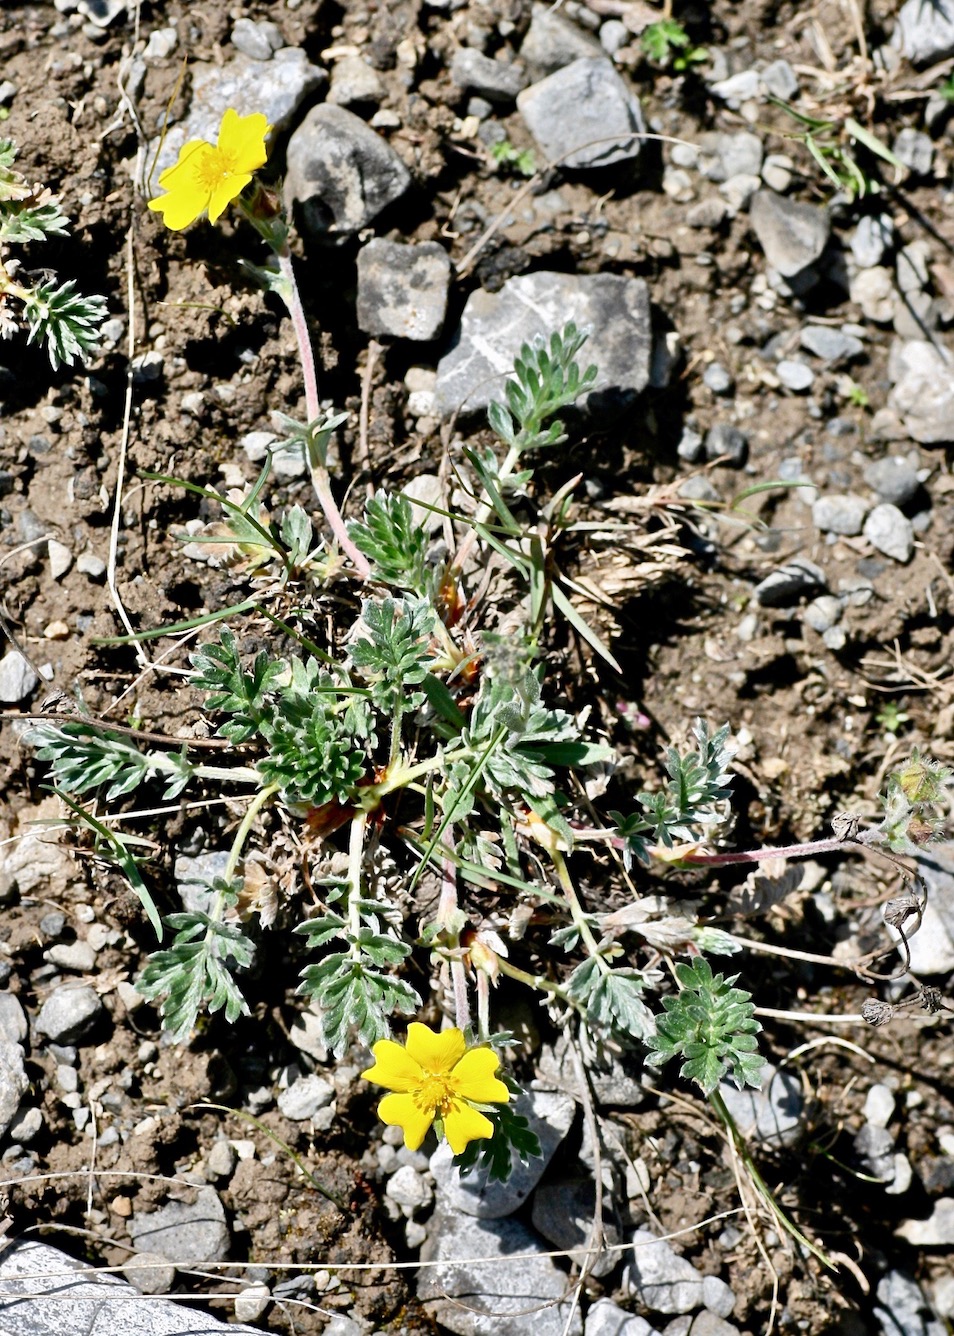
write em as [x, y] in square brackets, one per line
[717, 378]
[727, 443]
[894, 479]
[890, 531]
[840, 514]
[823, 612]
[794, 375]
[879, 1105]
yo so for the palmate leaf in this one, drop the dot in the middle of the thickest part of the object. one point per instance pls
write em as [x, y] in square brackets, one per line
[611, 999]
[64, 320]
[84, 757]
[355, 997]
[197, 972]
[394, 542]
[242, 693]
[394, 652]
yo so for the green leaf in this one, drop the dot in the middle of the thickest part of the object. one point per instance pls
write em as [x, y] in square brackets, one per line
[64, 320]
[394, 542]
[233, 690]
[197, 971]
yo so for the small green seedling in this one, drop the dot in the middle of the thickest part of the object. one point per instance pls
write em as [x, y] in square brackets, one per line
[511, 159]
[668, 45]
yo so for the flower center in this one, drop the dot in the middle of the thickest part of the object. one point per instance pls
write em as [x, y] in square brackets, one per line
[434, 1095]
[214, 167]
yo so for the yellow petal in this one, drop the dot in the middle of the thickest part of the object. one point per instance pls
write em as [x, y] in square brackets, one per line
[435, 1052]
[244, 137]
[224, 193]
[394, 1068]
[187, 198]
[473, 1078]
[185, 163]
[401, 1111]
[463, 1124]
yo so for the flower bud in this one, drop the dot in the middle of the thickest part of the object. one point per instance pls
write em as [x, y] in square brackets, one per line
[877, 1012]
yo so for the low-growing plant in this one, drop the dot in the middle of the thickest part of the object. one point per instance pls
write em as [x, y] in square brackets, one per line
[509, 158]
[51, 312]
[396, 737]
[667, 44]
[834, 144]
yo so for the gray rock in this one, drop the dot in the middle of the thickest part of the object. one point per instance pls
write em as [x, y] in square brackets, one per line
[17, 678]
[40, 1284]
[550, 1115]
[874, 1146]
[187, 1233]
[699, 488]
[69, 1013]
[873, 236]
[709, 212]
[723, 155]
[409, 1189]
[305, 1097]
[13, 1082]
[873, 290]
[727, 443]
[496, 80]
[93, 567]
[690, 447]
[495, 325]
[250, 1303]
[924, 31]
[822, 613]
[932, 946]
[149, 1274]
[717, 1296]
[26, 1126]
[792, 235]
[916, 314]
[710, 1324]
[737, 89]
[553, 41]
[894, 479]
[923, 394]
[341, 174]
[831, 345]
[913, 266]
[77, 956]
[13, 1021]
[937, 1231]
[221, 1159]
[915, 150]
[607, 1319]
[258, 41]
[402, 290]
[563, 1215]
[195, 875]
[773, 1114]
[890, 531]
[738, 191]
[903, 1309]
[879, 1105]
[614, 35]
[717, 379]
[275, 87]
[840, 514]
[662, 1280]
[101, 13]
[777, 172]
[795, 375]
[354, 82]
[780, 80]
[584, 116]
[494, 1295]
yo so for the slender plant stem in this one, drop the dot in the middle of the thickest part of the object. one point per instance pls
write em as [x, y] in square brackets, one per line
[319, 473]
[484, 511]
[241, 835]
[355, 853]
[576, 909]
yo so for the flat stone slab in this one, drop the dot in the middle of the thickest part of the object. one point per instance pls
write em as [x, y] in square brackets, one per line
[45, 1292]
[584, 116]
[495, 325]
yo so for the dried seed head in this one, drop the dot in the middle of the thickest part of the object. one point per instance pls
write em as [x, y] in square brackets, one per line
[931, 999]
[844, 826]
[877, 1012]
[899, 909]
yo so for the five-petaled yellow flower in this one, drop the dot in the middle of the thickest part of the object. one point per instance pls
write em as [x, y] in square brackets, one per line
[207, 177]
[436, 1079]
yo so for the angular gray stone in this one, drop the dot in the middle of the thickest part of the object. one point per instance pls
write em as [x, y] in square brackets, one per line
[495, 325]
[275, 87]
[409, 1189]
[341, 174]
[792, 235]
[894, 479]
[780, 80]
[13, 1082]
[723, 155]
[402, 289]
[563, 1215]
[786, 585]
[874, 1146]
[149, 1274]
[840, 514]
[550, 1116]
[923, 394]
[584, 115]
[871, 238]
[69, 1013]
[258, 41]
[831, 345]
[915, 150]
[890, 531]
[728, 443]
[305, 1097]
[40, 1284]
[773, 1114]
[903, 1309]
[924, 31]
[553, 41]
[17, 678]
[822, 613]
[662, 1280]
[187, 1233]
[795, 374]
[874, 291]
[937, 1231]
[496, 1294]
[354, 81]
[496, 80]
[13, 1021]
[607, 1319]
[880, 1104]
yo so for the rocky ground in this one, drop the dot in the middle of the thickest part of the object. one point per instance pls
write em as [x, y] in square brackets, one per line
[465, 175]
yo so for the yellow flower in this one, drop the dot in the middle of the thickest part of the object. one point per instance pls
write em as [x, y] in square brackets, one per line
[437, 1079]
[207, 177]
